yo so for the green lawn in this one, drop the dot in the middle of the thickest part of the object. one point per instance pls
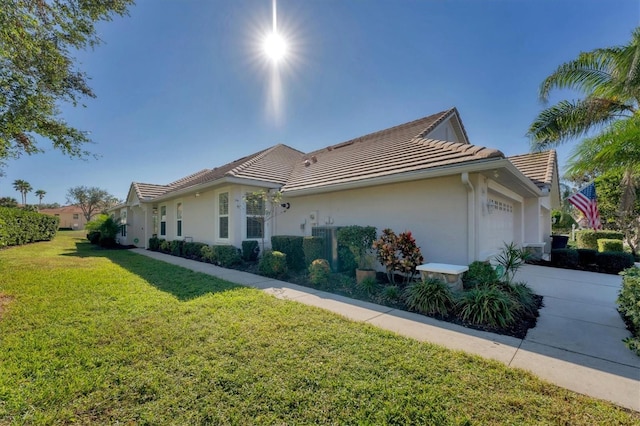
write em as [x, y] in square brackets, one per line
[110, 337]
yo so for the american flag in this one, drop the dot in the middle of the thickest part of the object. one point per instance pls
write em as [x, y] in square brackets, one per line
[586, 201]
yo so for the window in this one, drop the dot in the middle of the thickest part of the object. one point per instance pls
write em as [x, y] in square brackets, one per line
[255, 216]
[123, 223]
[179, 221]
[163, 220]
[223, 215]
[76, 216]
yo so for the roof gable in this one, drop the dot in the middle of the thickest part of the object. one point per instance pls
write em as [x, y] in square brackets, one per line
[540, 167]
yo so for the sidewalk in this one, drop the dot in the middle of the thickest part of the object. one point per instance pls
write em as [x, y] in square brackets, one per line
[576, 343]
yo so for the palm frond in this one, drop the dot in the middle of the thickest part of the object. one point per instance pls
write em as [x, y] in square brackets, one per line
[566, 120]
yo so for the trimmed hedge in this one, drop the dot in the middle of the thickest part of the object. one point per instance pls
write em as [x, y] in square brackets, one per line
[23, 227]
[607, 244]
[154, 243]
[273, 264]
[193, 250]
[629, 306]
[250, 250]
[176, 247]
[587, 257]
[564, 258]
[614, 262]
[588, 238]
[224, 255]
[313, 248]
[291, 245]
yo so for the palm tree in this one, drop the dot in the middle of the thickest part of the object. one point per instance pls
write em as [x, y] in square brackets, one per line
[23, 187]
[616, 150]
[40, 193]
[609, 78]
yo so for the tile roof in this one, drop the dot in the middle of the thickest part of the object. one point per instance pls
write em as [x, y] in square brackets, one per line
[62, 209]
[400, 149]
[269, 165]
[537, 166]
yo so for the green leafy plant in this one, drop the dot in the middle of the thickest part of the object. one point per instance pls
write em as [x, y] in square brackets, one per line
[522, 295]
[429, 296]
[614, 262]
[391, 293]
[565, 258]
[511, 258]
[273, 264]
[359, 240]
[176, 247]
[368, 286]
[107, 226]
[291, 245]
[487, 306]
[154, 243]
[313, 248]
[588, 239]
[250, 250]
[319, 272]
[629, 306]
[398, 253]
[608, 244]
[479, 273]
[586, 257]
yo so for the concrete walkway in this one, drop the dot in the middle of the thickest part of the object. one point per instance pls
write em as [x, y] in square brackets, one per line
[577, 343]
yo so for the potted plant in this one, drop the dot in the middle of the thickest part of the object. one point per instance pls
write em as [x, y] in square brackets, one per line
[359, 240]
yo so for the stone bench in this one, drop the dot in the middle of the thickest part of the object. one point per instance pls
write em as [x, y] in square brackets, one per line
[450, 274]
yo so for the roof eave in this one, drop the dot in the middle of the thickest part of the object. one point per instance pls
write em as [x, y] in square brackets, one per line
[213, 183]
[469, 167]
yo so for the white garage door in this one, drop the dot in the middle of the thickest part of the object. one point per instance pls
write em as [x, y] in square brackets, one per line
[499, 223]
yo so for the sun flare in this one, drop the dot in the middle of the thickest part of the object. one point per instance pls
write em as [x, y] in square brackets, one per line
[275, 47]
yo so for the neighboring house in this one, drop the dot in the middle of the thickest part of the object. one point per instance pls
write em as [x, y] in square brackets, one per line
[460, 201]
[70, 216]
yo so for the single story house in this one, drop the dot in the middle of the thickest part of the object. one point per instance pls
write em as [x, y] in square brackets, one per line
[71, 217]
[460, 201]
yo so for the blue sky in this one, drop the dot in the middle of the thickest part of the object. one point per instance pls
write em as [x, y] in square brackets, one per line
[182, 86]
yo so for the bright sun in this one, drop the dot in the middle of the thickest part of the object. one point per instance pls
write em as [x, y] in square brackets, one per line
[275, 47]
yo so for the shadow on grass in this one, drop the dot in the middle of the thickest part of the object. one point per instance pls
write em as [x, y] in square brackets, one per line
[183, 283]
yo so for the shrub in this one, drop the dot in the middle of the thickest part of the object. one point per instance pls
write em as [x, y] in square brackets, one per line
[564, 258]
[93, 237]
[479, 274]
[614, 262]
[193, 250]
[176, 247]
[522, 295]
[368, 286]
[607, 244]
[107, 227]
[511, 258]
[561, 221]
[629, 306]
[359, 240]
[206, 253]
[250, 250]
[313, 248]
[429, 296]
[319, 272]
[291, 245]
[588, 238]
[586, 257]
[22, 227]
[165, 246]
[273, 264]
[487, 306]
[227, 255]
[346, 261]
[154, 243]
[398, 254]
[391, 293]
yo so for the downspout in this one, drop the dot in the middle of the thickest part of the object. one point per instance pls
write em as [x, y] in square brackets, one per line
[471, 217]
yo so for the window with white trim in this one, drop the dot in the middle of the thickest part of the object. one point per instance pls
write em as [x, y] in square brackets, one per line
[179, 219]
[163, 220]
[123, 223]
[223, 215]
[255, 216]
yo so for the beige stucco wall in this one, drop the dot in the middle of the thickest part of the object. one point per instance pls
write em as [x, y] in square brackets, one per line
[434, 210]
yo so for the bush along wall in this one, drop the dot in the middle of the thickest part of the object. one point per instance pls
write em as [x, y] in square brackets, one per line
[588, 239]
[291, 245]
[19, 227]
[629, 306]
[221, 255]
[610, 262]
[313, 248]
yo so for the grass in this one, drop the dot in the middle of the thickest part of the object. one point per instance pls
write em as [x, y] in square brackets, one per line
[98, 336]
